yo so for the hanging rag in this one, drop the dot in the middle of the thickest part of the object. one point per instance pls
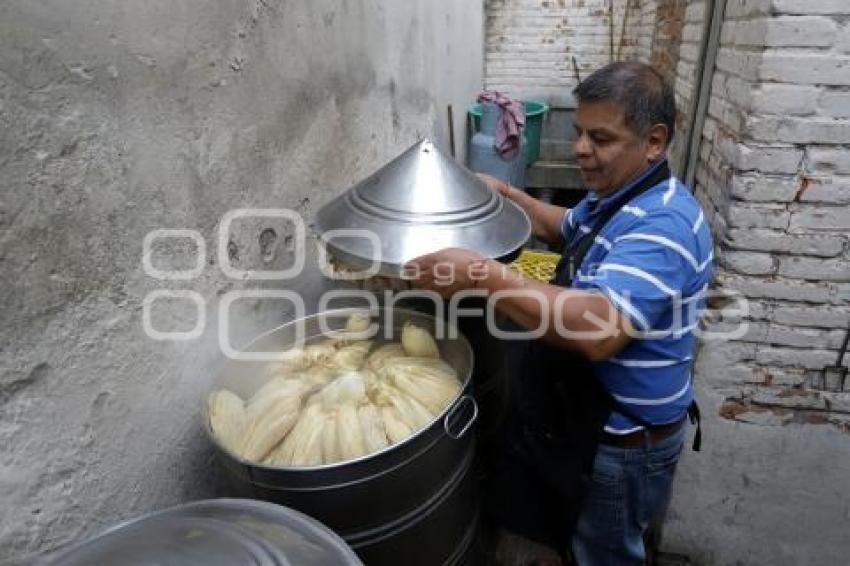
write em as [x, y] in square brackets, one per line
[511, 122]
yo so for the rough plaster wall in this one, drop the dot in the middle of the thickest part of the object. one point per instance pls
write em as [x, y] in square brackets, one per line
[458, 64]
[771, 486]
[117, 118]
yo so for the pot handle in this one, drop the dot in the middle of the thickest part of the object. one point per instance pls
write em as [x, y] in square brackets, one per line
[465, 400]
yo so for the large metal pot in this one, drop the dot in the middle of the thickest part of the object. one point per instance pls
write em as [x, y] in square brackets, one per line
[414, 500]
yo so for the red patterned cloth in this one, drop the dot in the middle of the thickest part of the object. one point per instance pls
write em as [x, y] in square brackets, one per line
[510, 124]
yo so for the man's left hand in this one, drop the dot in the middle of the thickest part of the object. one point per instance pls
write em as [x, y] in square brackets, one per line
[446, 271]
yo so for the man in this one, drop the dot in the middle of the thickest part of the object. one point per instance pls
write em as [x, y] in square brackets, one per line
[599, 415]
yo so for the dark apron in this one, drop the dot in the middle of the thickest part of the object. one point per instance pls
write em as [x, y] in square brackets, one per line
[558, 411]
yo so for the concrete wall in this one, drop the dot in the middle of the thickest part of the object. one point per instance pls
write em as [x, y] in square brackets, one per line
[117, 118]
[771, 486]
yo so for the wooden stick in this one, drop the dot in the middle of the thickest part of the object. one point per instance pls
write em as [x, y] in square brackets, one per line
[623, 29]
[611, 30]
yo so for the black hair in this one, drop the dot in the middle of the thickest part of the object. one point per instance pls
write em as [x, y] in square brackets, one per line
[646, 98]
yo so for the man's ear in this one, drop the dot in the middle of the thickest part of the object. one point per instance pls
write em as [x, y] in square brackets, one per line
[656, 142]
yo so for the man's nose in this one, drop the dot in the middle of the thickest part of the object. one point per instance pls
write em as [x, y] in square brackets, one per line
[582, 146]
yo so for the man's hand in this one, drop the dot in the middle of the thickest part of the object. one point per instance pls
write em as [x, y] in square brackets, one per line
[545, 218]
[495, 184]
[446, 271]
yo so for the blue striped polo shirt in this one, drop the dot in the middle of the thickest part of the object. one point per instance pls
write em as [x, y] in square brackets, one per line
[653, 260]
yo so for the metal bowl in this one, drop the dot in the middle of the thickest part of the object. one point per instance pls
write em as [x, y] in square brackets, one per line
[215, 532]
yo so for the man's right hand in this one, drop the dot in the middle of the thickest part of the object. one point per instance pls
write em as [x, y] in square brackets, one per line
[496, 184]
[545, 218]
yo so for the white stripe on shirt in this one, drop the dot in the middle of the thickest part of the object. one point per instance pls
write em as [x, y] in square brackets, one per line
[639, 212]
[667, 242]
[698, 223]
[603, 242]
[669, 194]
[684, 330]
[585, 278]
[667, 332]
[609, 429]
[638, 273]
[568, 220]
[621, 302]
[647, 363]
[652, 402]
[696, 296]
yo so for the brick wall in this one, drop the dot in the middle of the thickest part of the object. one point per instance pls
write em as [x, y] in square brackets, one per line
[530, 44]
[685, 26]
[667, 36]
[773, 174]
[769, 486]
[645, 30]
[774, 178]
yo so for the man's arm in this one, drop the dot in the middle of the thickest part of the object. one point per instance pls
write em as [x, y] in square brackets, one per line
[603, 330]
[545, 218]
[639, 280]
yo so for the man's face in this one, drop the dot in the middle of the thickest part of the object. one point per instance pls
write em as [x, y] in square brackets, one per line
[607, 151]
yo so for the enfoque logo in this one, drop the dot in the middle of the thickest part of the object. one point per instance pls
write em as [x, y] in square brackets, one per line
[686, 312]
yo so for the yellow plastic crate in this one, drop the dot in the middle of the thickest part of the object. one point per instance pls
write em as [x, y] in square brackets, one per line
[536, 265]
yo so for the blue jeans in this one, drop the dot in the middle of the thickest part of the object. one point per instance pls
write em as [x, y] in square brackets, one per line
[629, 487]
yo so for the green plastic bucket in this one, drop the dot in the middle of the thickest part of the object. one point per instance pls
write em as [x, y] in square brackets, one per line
[534, 112]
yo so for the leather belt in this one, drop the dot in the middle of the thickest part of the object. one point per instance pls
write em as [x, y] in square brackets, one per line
[636, 439]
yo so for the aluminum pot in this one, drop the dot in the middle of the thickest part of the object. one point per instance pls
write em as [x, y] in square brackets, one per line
[376, 501]
[212, 532]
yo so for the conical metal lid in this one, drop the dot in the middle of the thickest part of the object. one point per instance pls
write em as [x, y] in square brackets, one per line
[420, 202]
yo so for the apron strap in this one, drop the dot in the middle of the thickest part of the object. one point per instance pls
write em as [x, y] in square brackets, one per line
[694, 416]
[573, 252]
